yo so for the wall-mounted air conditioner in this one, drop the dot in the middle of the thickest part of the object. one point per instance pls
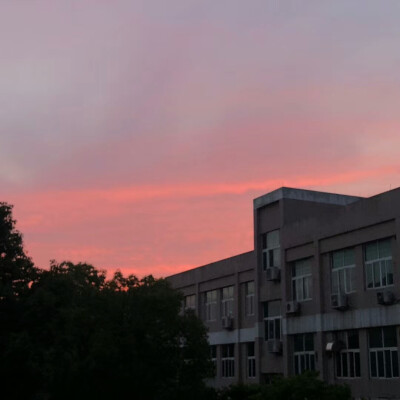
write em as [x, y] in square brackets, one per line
[386, 298]
[273, 274]
[227, 323]
[340, 301]
[292, 307]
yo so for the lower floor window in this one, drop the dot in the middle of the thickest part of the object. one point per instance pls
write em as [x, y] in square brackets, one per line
[383, 352]
[348, 359]
[251, 361]
[228, 361]
[304, 354]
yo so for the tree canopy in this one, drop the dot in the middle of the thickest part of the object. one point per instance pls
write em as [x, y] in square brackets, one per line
[75, 334]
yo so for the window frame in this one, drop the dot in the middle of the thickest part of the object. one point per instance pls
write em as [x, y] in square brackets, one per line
[268, 251]
[210, 305]
[251, 361]
[349, 356]
[383, 351]
[273, 322]
[308, 356]
[227, 303]
[342, 272]
[371, 266]
[300, 281]
[249, 299]
[228, 361]
[190, 306]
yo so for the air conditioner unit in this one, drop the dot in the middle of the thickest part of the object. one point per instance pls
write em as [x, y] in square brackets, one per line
[273, 274]
[227, 323]
[385, 298]
[335, 346]
[292, 307]
[274, 346]
[339, 302]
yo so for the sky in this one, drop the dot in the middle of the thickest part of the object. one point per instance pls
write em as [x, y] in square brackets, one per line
[134, 134]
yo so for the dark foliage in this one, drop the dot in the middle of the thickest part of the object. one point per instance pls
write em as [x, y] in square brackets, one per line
[76, 335]
[306, 386]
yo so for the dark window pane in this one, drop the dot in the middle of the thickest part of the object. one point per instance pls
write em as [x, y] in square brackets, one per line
[309, 342]
[377, 274]
[388, 364]
[395, 364]
[353, 342]
[264, 255]
[389, 272]
[265, 310]
[298, 343]
[369, 272]
[372, 359]
[264, 241]
[250, 349]
[389, 336]
[338, 365]
[278, 328]
[296, 365]
[271, 258]
[357, 364]
[381, 371]
[303, 363]
[375, 337]
[312, 362]
[351, 365]
[271, 329]
[344, 364]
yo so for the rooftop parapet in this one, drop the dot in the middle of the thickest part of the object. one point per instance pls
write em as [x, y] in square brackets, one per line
[305, 195]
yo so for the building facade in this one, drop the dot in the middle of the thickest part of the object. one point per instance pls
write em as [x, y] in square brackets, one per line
[320, 291]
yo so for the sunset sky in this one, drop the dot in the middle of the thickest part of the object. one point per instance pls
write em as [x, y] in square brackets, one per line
[135, 134]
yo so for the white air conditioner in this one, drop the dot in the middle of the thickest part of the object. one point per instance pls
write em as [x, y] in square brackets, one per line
[292, 307]
[339, 301]
[274, 346]
[273, 274]
[227, 323]
[335, 346]
[385, 298]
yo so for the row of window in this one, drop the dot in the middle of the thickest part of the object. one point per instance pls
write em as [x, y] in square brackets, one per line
[378, 270]
[377, 262]
[227, 302]
[382, 352]
[227, 364]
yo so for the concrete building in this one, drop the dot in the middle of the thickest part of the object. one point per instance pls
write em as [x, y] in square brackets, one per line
[321, 290]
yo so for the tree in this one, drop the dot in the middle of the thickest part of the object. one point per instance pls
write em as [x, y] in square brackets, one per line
[84, 337]
[16, 268]
[17, 273]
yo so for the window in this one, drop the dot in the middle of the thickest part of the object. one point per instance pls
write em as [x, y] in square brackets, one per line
[348, 359]
[378, 264]
[383, 358]
[304, 355]
[251, 360]
[301, 280]
[227, 301]
[213, 355]
[343, 268]
[249, 306]
[272, 320]
[190, 302]
[271, 255]
[228, 360]
[211, 305]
